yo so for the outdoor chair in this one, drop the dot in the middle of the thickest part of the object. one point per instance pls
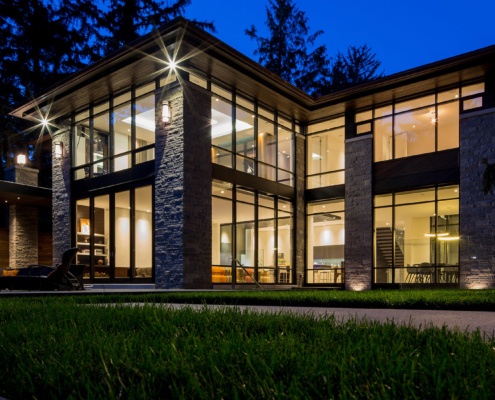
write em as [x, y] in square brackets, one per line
[42, 277]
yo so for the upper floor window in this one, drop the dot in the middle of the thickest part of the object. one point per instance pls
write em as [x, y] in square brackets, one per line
[250, 138]
[326, 153]
[418, 126]
[115, 134]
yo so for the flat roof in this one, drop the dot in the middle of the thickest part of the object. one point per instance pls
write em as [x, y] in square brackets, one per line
[12, 193]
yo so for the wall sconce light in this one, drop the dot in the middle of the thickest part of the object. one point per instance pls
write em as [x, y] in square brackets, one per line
[21, 159]
[58, 150]
[166, 113]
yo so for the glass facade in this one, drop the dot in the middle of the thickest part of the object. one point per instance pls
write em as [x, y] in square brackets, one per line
[116, 134]
[251, 236]
[115, 235]
[326, 154]
[325, 243]
[416, 233]
[416, 236]
[250, 138]
[418, 126]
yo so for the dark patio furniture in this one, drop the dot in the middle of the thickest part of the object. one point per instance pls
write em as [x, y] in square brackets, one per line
[42, 277]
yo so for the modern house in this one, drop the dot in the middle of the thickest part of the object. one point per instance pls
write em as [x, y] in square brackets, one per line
[179, 161]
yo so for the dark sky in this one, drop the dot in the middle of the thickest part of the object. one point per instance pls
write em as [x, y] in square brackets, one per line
[403, 34]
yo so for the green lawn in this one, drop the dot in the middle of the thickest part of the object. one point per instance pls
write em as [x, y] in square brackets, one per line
[74, 347]
[476, 300]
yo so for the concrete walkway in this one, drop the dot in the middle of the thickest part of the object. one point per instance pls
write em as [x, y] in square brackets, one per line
[465, 321]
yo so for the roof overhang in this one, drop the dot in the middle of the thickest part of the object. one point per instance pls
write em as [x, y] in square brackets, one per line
[12, 193]
[452, 71]
[199, 52]
[195, 50]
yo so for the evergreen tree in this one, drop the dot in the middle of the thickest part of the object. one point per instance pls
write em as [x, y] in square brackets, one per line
[290, 50]
[127, 20]
[36, 51]
[43, 41]
[357, 66]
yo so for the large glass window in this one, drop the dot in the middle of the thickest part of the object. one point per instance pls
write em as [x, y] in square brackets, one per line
[122, 234]
[251, 237]
[92, 236]
[264, 141]
[326, 240]
[418, 126]
[143, 232]
[115, 138]
[222, 232]
[122, 134]
[326, 154]
[245, 236]
[416, 236]
[123, 222]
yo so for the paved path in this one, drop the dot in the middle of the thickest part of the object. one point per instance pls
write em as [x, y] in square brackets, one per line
[463, 320]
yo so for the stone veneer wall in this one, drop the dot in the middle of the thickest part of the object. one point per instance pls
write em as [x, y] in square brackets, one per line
[358, 213]
[477, 209]
[299, 209]
[24, 175]
[23, 221]
[61, 189]
[23, 243]
[183, 177]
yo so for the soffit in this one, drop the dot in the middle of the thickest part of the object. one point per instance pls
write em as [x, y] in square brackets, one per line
[12, 193]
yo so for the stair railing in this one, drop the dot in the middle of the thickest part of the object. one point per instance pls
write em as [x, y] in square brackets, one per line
[247, 272]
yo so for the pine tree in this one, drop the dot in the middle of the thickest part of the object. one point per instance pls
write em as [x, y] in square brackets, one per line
[357, 66]
[127, 20]
[290, 50]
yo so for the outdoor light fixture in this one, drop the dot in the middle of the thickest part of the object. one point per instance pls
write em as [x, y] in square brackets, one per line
[166, 113]
[58, 150]
[21, 159]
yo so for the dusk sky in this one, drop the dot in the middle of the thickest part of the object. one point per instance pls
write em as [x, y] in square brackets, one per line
[403, 34]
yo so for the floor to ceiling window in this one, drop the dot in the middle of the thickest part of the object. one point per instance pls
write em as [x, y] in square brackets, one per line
[115, 235]
[326, 240]
[416, 236]
[251, 237]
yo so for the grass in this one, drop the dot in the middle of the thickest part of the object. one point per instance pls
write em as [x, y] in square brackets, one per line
[56, 347]
[454, 299]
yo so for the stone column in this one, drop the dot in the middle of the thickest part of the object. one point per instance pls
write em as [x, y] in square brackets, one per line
[477, 210]
[183, 177]
[299, 209]
[23, 221]
[61, 190]
[358, 270]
